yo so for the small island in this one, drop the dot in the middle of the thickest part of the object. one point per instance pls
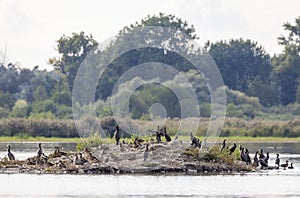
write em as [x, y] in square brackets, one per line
[141, 156]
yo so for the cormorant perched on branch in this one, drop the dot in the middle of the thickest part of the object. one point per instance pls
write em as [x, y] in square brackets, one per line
[9, 154]
[232, 149]
[117, 135]
[223, 145]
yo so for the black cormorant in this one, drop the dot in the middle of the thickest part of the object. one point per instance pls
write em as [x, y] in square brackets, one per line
[39, 151]
[261, 154]
[223, 145]
[266, 159]
[247, 156]
[263, 163]
[117, 135]
[163, 131]
[195, 141]
[158, 134]
[9, 154]
[255, 159]
[242, 154]
[277, 161]
[232, 149]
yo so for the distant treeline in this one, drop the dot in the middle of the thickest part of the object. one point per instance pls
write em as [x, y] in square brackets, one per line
[258, 85]
[232, 127]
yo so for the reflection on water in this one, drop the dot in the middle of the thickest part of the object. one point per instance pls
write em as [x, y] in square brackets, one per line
[270, 183]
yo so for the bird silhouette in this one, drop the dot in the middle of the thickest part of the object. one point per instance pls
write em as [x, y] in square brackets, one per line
[117, 135]
[39, 151]
[277, 161]
[248, 158]
[146, 152]
[284, 166]
[223, 145]
[9, 154]
[291, 166]
[232, 149]
[195, 141]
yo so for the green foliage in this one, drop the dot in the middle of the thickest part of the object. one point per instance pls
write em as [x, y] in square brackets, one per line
[42, 116]
[44, 106]
[287, 70]
[93, 140]
[240, 62]
[3, 112]
[72, 49]
[40, 93]
[6, 100]
[20, 110]
[62, 97]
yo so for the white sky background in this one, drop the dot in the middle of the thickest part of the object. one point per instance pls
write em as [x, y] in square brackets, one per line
[29, 28]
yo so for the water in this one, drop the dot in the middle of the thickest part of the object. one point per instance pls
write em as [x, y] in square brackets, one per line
[271, 183]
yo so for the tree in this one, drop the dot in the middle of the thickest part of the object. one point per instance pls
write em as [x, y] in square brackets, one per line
[7, 101]
[264, 91]
[164, 53]
[240, 62]
[287, 64]
[72, 52]
[40, 93]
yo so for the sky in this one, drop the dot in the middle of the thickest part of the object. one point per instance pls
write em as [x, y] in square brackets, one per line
[30, 28]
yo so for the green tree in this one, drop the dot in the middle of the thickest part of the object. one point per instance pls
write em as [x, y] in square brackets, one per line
[287, 64]
[162, 54]
[40, 93]
[72, 51]
[263, 90]
[7, 101]
[240, 62]
[20, 109]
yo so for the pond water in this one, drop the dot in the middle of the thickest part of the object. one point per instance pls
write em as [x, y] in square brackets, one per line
[269, 183]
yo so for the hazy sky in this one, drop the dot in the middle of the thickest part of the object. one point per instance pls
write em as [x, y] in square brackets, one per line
[29, 28]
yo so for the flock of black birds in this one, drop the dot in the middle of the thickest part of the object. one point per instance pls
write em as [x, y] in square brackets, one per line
[260, 158]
